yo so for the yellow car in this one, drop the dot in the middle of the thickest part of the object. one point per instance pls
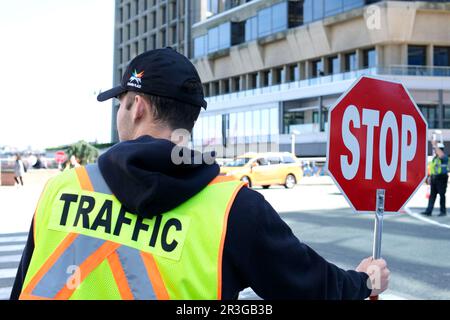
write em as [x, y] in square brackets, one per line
[265, 169]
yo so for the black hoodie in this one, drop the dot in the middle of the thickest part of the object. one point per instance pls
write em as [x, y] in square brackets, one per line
[260, 249]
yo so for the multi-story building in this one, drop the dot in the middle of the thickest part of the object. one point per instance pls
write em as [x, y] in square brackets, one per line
[272, 68]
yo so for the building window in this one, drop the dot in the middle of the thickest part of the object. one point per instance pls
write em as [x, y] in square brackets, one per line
[319, 9]
[136, 6]
[446, 117]
[128, 10]
[236, 84]
[429, 112]
[121, 56]
[219, 37]
[145, 5]
[442, 56]
[334, 65]
[278, 76]
[279, 17]
[121, 15]
[350, 62]
[120, 35]
[251, 29]
[417, 55]
[225, 86]
[136, 28]
[173, 32]
[163, 38]
[154, 19]
[173, 10]
[264, 22]
[200, 46]
[317, 68]
[215, 88]
[293, 73]
[136, 49]
[128, 32]
[206, 89]
[144, 45]
[163, 15]
[212, 6]
[254, 79]
[369, 58]
[128, 52]
[153, 41]
[145, 22]
[266, 78]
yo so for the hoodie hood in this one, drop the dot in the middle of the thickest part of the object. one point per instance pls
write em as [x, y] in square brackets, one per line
[145, 179]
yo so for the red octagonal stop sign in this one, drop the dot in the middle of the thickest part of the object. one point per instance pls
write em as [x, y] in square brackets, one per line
[377, 139]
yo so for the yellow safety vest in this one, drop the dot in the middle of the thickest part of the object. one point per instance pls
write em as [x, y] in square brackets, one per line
[87, 246]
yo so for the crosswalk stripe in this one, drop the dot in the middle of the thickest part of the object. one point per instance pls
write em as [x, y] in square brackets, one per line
[15, 247]
[8, 273]
[10, 258]
[13, 239]
[5, 293]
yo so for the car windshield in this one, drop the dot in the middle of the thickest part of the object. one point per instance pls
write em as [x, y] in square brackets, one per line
[237, 163]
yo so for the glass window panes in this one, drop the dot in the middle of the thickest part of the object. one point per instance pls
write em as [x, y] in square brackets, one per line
[279, 17]
[251, 29]
[213, 39]
[369, 58]
[318, 9]
[264, 22]
[442, 56]
[332, 7]
[317, 68]
[199, 46]
[350, 61]
[417, 55]
[224, 35]
[334, 65]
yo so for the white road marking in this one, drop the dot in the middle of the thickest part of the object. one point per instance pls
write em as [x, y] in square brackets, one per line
[15, 247]
[8, 273]
[5, 293]
[11, 258]
[424, 219]
[13, 239]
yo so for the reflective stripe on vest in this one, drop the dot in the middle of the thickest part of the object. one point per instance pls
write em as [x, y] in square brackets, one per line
[136, 273]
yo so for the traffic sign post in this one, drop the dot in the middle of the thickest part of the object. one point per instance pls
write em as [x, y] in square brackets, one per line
[377, 148]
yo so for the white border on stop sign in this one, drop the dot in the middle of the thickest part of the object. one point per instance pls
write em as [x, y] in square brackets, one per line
[329, 133]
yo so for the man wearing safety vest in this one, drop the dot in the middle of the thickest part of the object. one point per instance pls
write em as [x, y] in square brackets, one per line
[142, 225]
[438, 169]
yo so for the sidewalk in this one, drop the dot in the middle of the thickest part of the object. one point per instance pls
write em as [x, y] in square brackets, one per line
[18, 203]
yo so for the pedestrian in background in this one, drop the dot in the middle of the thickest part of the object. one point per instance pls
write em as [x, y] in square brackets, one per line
[74, 162]
[19, 170]
[438, 179]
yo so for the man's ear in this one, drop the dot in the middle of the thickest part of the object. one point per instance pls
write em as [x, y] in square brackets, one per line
[140, 107]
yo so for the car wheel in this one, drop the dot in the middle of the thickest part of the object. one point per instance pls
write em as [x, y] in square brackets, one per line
[290, 181]
[266, 187]
[247, 180]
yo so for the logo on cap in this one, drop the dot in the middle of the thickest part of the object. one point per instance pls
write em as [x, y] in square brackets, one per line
[135, 79]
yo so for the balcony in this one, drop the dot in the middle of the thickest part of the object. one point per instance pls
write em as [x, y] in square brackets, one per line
[393, 72]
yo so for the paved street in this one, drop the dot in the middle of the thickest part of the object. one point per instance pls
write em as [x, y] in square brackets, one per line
[416, 248]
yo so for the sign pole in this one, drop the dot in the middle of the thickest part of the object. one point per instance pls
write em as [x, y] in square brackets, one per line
[378, 228]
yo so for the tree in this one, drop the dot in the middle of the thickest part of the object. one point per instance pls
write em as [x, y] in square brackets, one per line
[84, 151]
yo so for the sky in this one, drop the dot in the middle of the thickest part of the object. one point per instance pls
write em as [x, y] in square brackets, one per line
[54, 57]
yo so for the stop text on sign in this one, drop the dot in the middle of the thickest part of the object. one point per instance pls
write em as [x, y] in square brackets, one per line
[403, 151]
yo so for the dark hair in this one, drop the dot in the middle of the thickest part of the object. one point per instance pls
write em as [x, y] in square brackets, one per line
[174, 113]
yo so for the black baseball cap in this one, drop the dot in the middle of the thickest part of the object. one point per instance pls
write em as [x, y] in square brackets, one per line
[161, 72]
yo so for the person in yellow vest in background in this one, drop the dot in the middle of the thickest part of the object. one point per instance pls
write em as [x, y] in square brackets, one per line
[140, 224]
[438, 179]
